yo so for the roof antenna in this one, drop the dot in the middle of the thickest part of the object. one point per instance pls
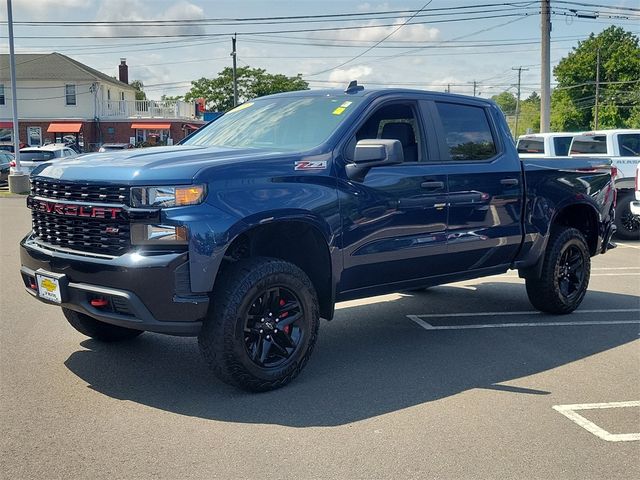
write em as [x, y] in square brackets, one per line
[354, 87]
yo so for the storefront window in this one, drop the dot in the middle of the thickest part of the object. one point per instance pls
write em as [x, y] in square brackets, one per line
[151, 138]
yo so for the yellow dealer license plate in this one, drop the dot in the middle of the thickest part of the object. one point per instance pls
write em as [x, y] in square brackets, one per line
[49, 288]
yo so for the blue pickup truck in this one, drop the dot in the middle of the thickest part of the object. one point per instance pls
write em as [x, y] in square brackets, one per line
[250, 231]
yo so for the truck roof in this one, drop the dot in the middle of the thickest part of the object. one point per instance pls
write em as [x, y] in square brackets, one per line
[374, 92]
[611, 132]
[548, 134]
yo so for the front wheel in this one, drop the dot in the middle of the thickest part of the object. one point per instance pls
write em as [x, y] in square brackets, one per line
[565, 273]
[262, 324]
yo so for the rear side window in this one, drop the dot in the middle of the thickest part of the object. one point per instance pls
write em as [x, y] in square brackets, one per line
[561, 145]
[41, 156]
[629, 144]
[467, 132]
[589, 144]
[531, 145]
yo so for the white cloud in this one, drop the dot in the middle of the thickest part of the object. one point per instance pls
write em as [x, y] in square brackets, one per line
[358, 72]
[49, 4]
[137, 10]
[367, 7]
[374, 33]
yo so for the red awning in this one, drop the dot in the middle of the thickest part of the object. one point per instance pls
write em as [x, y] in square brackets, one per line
[6, 124]
[151, 126]
[191, 126]
[64, 127]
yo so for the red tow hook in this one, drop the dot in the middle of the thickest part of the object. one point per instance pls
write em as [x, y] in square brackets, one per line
[99, 302]
[32, 284]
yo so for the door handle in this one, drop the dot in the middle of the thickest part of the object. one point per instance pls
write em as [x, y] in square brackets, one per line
[509, 181]
[432, 185]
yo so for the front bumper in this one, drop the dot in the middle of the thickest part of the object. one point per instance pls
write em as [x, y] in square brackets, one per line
[635, 207]
[141, 291]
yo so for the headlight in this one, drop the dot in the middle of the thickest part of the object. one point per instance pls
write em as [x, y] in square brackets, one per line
[167, 196]
[143, 234]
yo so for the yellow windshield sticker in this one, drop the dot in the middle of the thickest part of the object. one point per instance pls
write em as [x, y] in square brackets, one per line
[341, 108]
[240, 107]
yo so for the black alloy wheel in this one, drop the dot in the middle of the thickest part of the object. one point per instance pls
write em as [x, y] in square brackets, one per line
[564, 278]
[273, 330]
[571, 272]
[262, 324]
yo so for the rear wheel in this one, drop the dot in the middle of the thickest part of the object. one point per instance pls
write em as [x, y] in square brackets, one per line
[101, 331]
[262, 325]
[565, 273]
[627, 224]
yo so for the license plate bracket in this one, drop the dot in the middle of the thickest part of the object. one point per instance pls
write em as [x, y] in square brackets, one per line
[51, 286]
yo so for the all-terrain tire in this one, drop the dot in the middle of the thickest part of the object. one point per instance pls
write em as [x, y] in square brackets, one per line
[226, 332]
[566, 263]
[627, 224]
[101, 331]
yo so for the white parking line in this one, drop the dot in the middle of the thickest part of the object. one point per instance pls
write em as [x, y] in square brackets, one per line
[569, 411]
[428, 326]
[524, 312]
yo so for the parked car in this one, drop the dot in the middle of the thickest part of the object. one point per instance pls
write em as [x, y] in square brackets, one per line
[251, 230]
[635, 205]
[9, 147]
[32, 157]
[538, 145]
[114, 146]
[623, 148]
[5, 164]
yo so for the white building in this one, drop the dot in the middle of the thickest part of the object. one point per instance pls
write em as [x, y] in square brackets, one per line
[59, 97]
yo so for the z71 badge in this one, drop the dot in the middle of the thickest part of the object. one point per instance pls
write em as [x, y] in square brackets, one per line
[311, 165]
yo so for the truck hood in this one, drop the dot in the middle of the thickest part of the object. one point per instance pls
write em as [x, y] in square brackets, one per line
[161, 165]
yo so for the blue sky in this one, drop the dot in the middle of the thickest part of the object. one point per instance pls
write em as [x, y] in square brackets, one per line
[447, 54]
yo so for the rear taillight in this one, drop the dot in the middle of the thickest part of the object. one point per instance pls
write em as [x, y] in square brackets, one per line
[637, 180]
[12, 163]
[614, 172]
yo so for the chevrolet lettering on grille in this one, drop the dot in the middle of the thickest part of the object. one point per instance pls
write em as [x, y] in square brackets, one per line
[73, 210]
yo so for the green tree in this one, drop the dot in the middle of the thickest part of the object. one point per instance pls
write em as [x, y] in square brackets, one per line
[139, 86]
[506, 101]
[172, 98]
[252, 82]
[573, 99]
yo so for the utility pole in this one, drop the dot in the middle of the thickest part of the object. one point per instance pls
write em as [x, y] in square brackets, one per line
[475, 85]
[595, 122]
[545, 66]
[18, 181]
[235, 76]
[448, 88]
[515, 130]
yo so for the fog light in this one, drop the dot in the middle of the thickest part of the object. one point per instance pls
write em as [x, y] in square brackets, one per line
[142, 234]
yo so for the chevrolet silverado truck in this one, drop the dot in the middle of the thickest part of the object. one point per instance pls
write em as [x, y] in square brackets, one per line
[251, 230]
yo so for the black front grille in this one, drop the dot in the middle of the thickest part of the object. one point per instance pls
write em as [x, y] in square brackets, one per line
[85, 235]
[80, 193]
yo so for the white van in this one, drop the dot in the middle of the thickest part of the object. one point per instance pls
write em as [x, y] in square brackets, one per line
[32, 157]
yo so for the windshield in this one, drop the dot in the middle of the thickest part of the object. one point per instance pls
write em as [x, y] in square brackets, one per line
[285, 123]
[530, 145]
[589, 144]
[39, 156]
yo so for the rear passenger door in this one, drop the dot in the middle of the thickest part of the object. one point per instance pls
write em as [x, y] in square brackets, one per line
[484, 183]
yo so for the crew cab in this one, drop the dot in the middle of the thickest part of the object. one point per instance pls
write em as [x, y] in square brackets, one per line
[250, 231]
[623, 148]
[536, 145]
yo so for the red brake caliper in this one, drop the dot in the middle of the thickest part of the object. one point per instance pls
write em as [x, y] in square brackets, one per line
[286, 328]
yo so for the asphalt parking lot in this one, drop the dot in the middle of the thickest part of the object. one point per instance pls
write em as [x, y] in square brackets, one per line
[460, 381]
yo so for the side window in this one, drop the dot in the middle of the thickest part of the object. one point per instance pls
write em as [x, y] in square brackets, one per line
[70, 94]
[1, 93]
[467, 131]
[396, 121]
[629, 144]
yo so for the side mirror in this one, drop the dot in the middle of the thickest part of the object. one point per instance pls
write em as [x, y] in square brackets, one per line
[374, 153]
